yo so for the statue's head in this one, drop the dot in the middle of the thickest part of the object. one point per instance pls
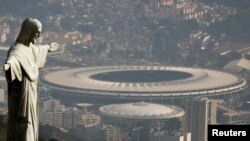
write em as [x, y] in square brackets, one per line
[30, 31]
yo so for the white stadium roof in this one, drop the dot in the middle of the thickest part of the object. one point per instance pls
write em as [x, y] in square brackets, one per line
[200, 82]
[141, 111]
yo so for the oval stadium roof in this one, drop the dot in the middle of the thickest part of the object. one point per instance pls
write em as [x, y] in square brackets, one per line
[200, 82]
[141, 111]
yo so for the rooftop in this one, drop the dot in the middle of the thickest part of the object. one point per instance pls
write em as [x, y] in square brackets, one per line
[195, 81]
[141, 110]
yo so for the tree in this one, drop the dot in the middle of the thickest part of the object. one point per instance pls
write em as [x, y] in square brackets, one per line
[172, 125]
[3, 134]
[53, 139]
[3, 120]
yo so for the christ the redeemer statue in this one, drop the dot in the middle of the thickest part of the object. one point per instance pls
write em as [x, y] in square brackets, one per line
[21, 68]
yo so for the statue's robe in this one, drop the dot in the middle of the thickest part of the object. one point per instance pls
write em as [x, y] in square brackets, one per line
[22, 75]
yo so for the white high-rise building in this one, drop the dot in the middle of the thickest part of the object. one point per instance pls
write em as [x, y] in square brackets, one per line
[94, 133]
[71, 117]
[199, 113]
[1, 95]
[54, 114]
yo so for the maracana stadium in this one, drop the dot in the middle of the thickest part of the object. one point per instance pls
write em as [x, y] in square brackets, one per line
[142, 83]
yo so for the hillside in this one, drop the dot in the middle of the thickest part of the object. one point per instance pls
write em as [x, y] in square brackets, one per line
[235, 27]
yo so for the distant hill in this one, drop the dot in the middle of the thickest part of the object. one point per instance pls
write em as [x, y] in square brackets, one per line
[240, 4]
[28, 8]
[235, 27]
